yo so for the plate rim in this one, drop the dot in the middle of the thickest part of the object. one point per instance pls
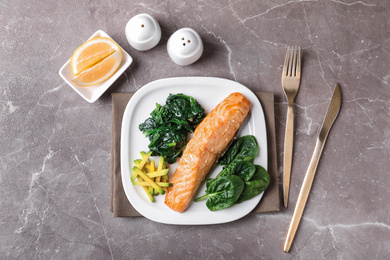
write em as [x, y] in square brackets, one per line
[162, 83]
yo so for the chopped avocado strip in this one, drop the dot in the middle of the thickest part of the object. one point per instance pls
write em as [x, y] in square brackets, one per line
[134, 175]
[157, 173]
[152, 169]
[140, 164]
[137, 162]
[160, 167]
[144, 183]
[160, 163]
[146, 190]
[153, 180]
[145, 159]
[147, 179]
[153, 174]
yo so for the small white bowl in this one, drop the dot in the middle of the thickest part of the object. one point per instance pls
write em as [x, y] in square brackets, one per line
[185, 46]
[92, 93]
[143, 32]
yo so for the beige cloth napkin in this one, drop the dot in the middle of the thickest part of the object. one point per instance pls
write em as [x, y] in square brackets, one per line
[119, 204]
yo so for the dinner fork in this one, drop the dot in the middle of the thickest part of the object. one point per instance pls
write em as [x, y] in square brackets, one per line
[290, 82]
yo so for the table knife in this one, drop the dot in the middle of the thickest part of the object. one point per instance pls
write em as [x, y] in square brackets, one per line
[331, 114]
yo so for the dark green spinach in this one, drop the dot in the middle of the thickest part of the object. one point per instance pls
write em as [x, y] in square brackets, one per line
[243, 169]
[255, 185]
[243, 149]
[168, 125]
[222, 192]
[237, 164]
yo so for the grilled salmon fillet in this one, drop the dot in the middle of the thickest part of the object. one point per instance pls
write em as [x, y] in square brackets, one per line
[210, 139]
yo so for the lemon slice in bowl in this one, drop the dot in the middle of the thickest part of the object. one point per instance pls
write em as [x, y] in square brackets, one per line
[91, 52]
[100, 71]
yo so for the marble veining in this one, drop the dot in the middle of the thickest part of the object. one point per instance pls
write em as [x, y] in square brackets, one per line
[55, 147]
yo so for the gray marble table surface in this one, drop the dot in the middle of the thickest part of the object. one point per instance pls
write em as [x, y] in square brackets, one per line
[55, 146]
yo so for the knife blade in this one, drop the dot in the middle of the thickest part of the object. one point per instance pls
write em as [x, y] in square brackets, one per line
[330, 117]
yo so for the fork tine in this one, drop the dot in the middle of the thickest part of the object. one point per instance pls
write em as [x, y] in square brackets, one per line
[285, 66]
[290, 62]
[294, 62]
[299, 63]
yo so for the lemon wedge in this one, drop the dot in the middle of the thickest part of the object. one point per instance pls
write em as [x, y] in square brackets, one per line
[95, 61]
[101, 71]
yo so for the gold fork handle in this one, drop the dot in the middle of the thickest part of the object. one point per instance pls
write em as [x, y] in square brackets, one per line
[303, 195]
[288, 150]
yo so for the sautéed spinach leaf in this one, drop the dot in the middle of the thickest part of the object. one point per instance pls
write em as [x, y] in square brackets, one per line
[237, 165]
[168, 125]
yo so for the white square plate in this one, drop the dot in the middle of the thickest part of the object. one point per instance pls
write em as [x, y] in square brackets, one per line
[208, 92]
[92, 93]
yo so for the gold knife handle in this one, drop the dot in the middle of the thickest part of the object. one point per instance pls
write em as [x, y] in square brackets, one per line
[303, 195]
[331, 114]
[288, 150]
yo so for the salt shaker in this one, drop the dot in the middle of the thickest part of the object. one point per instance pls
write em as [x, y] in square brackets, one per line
[185, 46]
[143, 32]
